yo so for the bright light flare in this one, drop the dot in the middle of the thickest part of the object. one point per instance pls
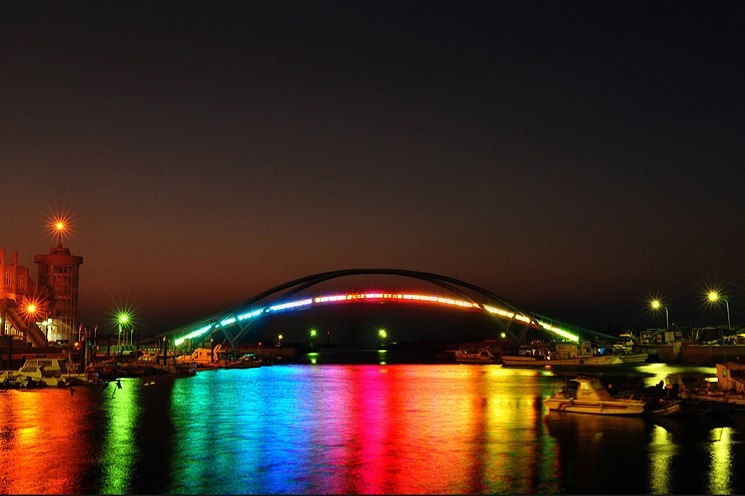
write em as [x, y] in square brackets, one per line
[123, 317]
[31, 309]
[60, 227]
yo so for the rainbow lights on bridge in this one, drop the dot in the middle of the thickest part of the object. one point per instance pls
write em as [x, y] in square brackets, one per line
[376, 296]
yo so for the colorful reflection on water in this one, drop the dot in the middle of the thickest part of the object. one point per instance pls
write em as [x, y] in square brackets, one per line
[342, 429]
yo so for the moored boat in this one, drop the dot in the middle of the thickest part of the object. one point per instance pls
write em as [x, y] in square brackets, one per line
[481, 355]
[41, 372]
[145, 365]
[245, 361]
[586, 394]
[563, 354]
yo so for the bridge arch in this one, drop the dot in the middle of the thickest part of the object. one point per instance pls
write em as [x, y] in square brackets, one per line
[510, 318]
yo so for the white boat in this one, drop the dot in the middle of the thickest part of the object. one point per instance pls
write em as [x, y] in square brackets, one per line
[588, 395]
[563, 354]
[40, 372]
[481, 355]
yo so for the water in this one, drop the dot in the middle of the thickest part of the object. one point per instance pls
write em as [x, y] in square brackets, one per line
[364, 429]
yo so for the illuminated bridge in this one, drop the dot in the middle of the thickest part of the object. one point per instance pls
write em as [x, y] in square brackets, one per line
[430, 292]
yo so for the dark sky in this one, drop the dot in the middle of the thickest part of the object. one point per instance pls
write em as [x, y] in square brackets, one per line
[573, 157]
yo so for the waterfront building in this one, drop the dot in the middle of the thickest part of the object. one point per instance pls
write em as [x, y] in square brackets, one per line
[17, 291]
[58, 273]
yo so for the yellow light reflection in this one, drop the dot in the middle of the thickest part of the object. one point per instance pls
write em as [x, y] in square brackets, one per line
[661, 454]
[720, 474]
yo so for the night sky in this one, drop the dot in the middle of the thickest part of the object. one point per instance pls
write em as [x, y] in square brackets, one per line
[574, 157]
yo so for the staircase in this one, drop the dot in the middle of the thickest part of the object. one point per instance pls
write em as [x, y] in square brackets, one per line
[9, 309]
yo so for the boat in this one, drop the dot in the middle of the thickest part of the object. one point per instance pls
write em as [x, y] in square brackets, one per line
[219, 358]
[586, 394]
[145, 365]
[469, 355]
[724, 394]
[42, 372]
[245, 361]
[563, 354]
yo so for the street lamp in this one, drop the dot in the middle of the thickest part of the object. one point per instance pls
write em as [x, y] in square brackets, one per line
[122, 319]
[714, 297]
[657, 304]
[59, 227]
[382, 334]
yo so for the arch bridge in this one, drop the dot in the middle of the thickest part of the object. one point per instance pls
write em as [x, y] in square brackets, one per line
[509, 318]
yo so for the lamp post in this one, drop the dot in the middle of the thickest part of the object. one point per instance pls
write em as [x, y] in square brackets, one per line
[122, 319]
[382, 335]
[657, 304]
[714, 297]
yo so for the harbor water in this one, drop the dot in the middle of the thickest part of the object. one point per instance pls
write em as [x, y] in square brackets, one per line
[354, 429]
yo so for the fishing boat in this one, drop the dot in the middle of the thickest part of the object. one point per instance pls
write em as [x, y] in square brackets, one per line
[588, 395]
[245, 361]
[562, 354]
[585, 394]
[468, 355]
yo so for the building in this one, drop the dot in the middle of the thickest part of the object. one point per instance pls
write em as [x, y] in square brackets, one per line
[17, 292]
[58, 274]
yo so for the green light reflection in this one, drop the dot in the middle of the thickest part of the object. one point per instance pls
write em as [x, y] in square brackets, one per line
[118, 450]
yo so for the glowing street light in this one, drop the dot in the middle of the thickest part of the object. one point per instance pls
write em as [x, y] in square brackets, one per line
[31, 309]
[60, 227]
[657, 304]
[714, 296]
[382, 334]
[123, 319]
